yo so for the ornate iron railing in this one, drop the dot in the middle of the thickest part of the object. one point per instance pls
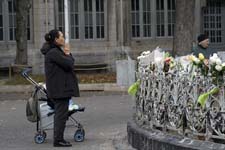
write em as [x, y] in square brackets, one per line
[169, 101]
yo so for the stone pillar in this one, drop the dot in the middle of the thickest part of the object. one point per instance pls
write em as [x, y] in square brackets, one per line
[125, 72]
[198, 18]
[39, 19]
[40, 29]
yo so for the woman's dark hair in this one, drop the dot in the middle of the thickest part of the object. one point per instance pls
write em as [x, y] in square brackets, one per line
[52, 35]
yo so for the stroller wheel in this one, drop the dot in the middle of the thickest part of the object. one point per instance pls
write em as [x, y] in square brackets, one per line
[45, 134]
[79, 135]
[39, 138]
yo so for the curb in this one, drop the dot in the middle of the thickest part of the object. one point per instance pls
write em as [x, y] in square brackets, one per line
[143, 139]
[108, 87]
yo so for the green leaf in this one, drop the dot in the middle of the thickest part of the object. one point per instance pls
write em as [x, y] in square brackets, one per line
[214, 91]
[132, 90]
[203, 98]
[167, 54]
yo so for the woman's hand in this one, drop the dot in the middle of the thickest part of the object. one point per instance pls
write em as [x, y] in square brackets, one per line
[67, 49]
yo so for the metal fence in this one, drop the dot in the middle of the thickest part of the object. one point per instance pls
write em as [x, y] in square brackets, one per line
[170, 101]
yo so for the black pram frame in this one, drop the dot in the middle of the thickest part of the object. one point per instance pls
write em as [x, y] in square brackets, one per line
[41, 135]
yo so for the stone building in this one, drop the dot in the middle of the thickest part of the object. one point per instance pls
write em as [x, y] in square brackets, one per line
[102, 31]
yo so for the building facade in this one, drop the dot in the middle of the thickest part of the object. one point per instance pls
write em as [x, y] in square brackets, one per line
[103, 31]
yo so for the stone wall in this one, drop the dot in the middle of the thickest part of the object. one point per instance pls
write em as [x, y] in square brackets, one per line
[107, 51]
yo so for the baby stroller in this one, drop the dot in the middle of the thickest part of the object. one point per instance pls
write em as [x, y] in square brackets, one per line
[44, 108]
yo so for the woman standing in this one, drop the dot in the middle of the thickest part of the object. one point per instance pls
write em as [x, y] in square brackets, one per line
[61, 82]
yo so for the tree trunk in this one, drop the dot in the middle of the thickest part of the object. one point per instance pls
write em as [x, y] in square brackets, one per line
[184, 27]
[22, 10]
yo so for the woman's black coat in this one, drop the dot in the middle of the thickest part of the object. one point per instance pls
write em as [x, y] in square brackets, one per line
[61, 81]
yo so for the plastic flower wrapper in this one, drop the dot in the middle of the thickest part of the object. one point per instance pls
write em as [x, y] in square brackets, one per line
[144, 58]
[132, 90]
[204, 97]
[145, 53]
[185, 62]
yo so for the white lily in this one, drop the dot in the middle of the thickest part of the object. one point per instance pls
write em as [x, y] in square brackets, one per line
[215, 55]
[196, 60]
[218, 61]
[212, 60]
[223, 64]
[218, 67]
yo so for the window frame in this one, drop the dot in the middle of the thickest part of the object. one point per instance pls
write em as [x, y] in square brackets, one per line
[82, 21]
[6, 37]
[153, 20]
[222, 29]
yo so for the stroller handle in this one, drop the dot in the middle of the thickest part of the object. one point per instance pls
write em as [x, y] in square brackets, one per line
[25, 72]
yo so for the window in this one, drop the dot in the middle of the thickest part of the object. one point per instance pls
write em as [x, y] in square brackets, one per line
[1, 22]
[160, 20]
[135, 13]
[146, 18]
[141, 18]
[100, 21]
[212, 20]
[61, 16]
[87, 19]
[74, 16]
[12, 19]
[171, 17]
[8, 24]
[144, 11]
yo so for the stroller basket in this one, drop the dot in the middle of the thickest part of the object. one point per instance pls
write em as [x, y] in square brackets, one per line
[45, 112]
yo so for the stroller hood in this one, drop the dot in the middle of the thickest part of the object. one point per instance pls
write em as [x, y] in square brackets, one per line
[45, 48]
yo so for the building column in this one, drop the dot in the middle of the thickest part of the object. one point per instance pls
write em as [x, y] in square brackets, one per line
[40, 24]
[197, 23]
[198, 17]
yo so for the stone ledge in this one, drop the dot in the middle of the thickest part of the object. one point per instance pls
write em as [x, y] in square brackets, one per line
[83, 87]
[156, 140]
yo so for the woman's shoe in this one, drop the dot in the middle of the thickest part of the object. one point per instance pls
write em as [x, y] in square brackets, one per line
[62, 144]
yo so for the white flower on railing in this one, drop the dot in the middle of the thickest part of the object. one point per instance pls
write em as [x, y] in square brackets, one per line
[215, 59]
[223, 64]
[218, 67]
[196, 60]
[218, 61]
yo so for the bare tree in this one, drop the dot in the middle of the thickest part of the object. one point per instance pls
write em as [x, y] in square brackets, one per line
[22, 11]
[184, 27]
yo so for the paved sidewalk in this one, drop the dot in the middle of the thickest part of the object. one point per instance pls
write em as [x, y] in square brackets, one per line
[105, 122]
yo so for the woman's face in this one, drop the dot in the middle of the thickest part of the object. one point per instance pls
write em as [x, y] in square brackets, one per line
[60, 41]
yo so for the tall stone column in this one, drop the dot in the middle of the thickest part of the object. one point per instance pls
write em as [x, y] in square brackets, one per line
[42, 9]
